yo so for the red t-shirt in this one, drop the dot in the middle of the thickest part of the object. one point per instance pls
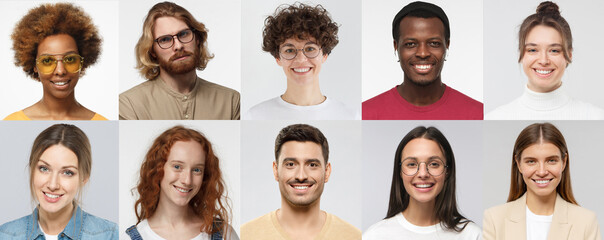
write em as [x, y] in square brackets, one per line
[453, 105]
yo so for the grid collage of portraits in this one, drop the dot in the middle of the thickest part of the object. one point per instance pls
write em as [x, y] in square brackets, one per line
[316, 115]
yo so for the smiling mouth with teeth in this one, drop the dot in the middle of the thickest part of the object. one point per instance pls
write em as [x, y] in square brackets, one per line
[301, 70]
[301, 187]
[53, 196]
[423, 185]
[423, 66]
[542, 181]
[182, 190]
[60, 83]
[544, 72]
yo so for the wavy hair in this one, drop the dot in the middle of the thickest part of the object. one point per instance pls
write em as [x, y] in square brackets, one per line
[146, 63]
[445, 209]
[300, 21]
[533, 134]
[210, 203]
[52, 19]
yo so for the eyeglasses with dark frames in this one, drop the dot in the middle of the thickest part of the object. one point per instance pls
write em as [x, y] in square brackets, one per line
[167, 41]
[289, 51]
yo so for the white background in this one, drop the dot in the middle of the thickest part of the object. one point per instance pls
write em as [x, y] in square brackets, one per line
[503, 75]
[136, 138]
[99, 195]
[96, 90]
[583, 139]
[380, 140]
[341, 196]
[221, 18]
[263, 79]
[463, 68]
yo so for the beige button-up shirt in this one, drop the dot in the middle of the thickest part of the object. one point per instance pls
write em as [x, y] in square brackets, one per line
[155, 100]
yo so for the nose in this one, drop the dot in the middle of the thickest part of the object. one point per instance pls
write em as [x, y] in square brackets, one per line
[185, 178]
[53, 182]
[422, 51]
[543, 58]
[60, 69]
[177, 44]
[301, 175]
[542, 170]
[300, 57]
[422, 172]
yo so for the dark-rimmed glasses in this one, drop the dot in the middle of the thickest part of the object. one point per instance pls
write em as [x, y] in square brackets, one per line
[167, 41]
[47, 63]
[435, 167]
[289, 51]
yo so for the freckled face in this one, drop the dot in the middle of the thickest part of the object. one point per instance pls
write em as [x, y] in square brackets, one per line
[183, 173]
[543, 61]
[56, 179]
[421, 49]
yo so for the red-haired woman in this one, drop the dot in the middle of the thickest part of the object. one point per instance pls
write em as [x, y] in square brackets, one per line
[181, 190]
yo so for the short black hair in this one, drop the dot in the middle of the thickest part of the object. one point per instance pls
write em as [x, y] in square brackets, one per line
[422, 10]
[301, 133]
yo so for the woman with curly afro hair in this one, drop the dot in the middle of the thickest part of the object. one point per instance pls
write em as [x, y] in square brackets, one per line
[300, 37]
[54, 44]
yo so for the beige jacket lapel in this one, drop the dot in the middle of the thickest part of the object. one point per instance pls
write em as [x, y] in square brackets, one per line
[515, 223]
[560, 227]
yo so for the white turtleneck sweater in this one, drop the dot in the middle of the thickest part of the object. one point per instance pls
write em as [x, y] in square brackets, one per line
[554, 105]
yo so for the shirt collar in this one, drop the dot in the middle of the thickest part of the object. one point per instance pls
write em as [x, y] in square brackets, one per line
[73, 230]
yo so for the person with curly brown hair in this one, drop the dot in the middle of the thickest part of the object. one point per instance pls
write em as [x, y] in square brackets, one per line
[181, 190]
[172, 46]
[300, 37]
[302, 169]
[54, 44]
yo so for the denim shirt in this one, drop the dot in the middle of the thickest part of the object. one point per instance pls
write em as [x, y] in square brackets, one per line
[81, 226]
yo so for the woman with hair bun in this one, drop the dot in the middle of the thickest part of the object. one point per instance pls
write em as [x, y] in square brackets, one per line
[541, 204]
[545, 44]
[54, 44]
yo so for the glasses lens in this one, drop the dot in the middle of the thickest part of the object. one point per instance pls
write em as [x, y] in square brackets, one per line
[311, 50]
[46, 64]
[72, 63]
[165, 41]
[185, 36]
[434, 167]
[288, 52]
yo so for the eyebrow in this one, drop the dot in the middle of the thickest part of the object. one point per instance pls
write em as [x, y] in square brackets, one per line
[187, 28]
[552, 156]
[551, 45]
[312, 160]
[46, 54]
[430, 158]
[68, 166]
[178, 161]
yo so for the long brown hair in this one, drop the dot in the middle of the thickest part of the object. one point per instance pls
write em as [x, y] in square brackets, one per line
[536, 133]
[547, 14]
[210, 203]
[445, 207]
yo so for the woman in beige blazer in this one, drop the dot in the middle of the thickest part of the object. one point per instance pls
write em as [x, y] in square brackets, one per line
[541, 192]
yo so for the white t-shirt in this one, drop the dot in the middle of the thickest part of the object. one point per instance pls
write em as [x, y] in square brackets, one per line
[537, 226]
[398, 227]
[46, 236]
[278, 109]
[148, 234]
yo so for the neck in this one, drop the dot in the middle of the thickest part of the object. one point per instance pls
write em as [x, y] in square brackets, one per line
[170, 215]
[303, 95]
[58, 108]
[54, 223]
[420, 214]
[182, 83]
[421, 95]
[541, 205]
[301, 221]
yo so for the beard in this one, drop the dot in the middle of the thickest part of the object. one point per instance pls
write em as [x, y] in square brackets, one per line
[181, 66]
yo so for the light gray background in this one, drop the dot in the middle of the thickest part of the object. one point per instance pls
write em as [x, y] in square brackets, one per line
[503, 75]
[221, 18]
[380, 140]
[100, 194]
[340, 76]
[583, 139]
[463, 69]
[342, 194]
[96, 90]
[136, 138]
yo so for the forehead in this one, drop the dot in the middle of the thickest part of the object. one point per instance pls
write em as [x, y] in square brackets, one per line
[59, 156]
[168, 25]
[190, 152]
[301, 150]
[542, 149]
[422, 148]
[541, 34]
[413, 27]
[57, 44]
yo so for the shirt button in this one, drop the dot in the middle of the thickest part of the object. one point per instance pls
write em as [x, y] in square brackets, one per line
[186, 97]
[187, 116]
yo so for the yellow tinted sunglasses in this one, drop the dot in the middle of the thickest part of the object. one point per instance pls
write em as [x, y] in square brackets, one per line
[47, 64]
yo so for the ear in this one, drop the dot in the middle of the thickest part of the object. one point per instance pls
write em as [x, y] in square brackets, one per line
[395, 45]
[327, 171]
[275, 173]
[278, 61]
[447, 44]
[324, 58]
[85, 181]
[564, 161]
[518, 166]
